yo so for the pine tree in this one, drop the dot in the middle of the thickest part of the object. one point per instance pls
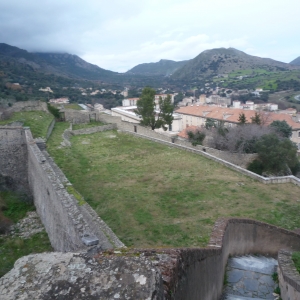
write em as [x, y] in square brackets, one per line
[242, 119]
[256, 119]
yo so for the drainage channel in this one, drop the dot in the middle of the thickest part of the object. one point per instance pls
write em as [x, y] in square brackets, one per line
[250, 278]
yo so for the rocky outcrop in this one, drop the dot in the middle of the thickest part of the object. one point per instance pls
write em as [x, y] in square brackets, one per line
[78, 276]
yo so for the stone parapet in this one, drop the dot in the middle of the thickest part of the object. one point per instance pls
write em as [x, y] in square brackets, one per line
[289, 277]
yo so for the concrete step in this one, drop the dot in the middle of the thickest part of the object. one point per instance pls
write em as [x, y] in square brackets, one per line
[234, 297]
[259, 264]
[250, 277]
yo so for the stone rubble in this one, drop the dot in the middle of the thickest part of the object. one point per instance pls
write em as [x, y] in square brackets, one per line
[28, 226]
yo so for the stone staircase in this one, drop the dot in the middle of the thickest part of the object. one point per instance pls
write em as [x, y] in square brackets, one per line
[250, 278]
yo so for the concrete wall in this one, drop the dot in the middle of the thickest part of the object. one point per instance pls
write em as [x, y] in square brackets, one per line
[289, 277]
[13, 160]
[199, 273]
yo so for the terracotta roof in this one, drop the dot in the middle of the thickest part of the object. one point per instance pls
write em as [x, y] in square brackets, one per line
[183, 133]
[232, 114]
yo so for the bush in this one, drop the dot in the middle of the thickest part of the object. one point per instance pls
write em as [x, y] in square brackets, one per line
[282, 127]
[196, 137]
[256, 167]
[277, 155]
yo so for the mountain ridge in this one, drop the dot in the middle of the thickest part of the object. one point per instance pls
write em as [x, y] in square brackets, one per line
[226, 60]
[61, 64]
[296, 61]
[164, 67]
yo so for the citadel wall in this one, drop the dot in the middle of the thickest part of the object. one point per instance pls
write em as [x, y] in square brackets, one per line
[71, 225]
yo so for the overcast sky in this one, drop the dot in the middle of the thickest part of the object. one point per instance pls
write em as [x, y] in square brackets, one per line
[119, 34]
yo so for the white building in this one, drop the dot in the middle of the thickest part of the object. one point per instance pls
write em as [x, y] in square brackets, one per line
[129, 102]
[60, 101]
[127, 114]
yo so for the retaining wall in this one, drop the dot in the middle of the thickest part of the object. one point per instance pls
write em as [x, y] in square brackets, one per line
[289, 277]
[13, 160]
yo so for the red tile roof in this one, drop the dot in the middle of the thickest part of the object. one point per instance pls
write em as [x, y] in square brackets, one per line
[183, 133]
[232, 114]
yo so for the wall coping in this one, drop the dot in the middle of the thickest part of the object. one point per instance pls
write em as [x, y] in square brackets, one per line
[220, 227]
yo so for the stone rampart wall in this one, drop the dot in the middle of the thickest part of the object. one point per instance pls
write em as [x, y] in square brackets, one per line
[13, 160]
[289, 277]
[199, 273]
[80, 116]
[66, 220]
[28, 106]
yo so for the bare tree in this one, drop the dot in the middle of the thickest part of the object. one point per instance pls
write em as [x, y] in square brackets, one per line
[239, 139]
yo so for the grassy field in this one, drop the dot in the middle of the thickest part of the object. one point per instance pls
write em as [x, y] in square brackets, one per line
[154, 195]
[38, 121]
[11, 248]
[68, 106]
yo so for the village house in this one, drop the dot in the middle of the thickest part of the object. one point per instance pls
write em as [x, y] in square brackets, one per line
[129, 101]
[196, 115]
[60, 100]
[47, 89]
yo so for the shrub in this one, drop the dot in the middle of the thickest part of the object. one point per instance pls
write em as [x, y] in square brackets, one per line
[196, 137]
[277, 155]
[256, 167]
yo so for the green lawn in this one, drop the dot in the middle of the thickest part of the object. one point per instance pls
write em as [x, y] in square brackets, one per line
[154, 195]
[68, 106]
[14, 208]
[38, 121]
